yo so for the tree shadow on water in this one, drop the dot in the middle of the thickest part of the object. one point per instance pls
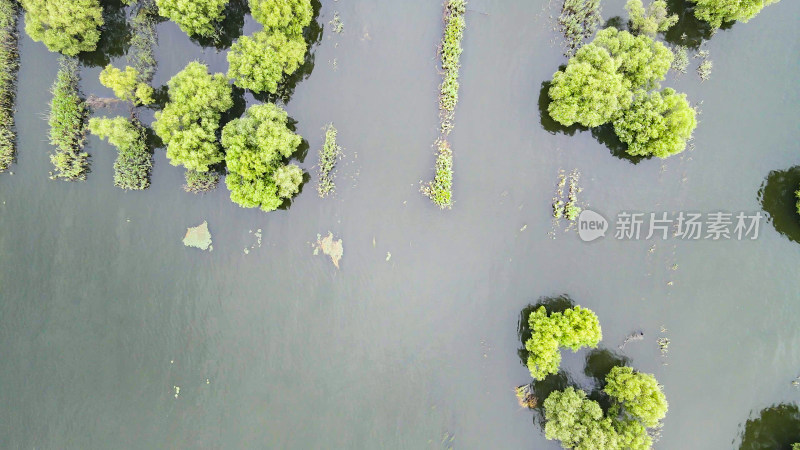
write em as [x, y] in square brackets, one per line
[605, 135]
[778, 200]
[689, 31]
[599, 363]
[776, 428]
[548, 123]
[114, 37]
[227, 30]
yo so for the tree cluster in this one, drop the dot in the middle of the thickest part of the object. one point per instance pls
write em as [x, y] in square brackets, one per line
[715, 12]
[574, 328]
[608, 81]
[134, 162]
[66, 26]
[257, 147]
[194, 17]
[260, 62]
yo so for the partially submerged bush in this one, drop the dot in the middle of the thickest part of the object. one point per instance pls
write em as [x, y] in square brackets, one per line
[194, 17]
[638, 395]
[451, 53]
[189, 122]
[657, 124]
[126, 84]
[440, 190]
[578, 21]
[9, 63]
[68, 115]
[287, 16]
[328, 156]
[715, 12]
[257, 147]
[134, 161]
[260, 62]
[655, 19]
[642, 61]
[66, 26]
[574, 328]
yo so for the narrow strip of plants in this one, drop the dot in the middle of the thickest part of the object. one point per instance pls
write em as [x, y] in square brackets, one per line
[9, 63]
[68, 117]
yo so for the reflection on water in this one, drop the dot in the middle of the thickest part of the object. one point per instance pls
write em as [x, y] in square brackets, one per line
[115, 36]
[689, 31]
[776, 428]
[778, 200]
[228, 29]
[548, 123]
[605, 135]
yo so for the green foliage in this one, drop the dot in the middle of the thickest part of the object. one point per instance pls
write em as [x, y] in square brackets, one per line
[9, 64]
[681, 61]
[715, 12]
[199, 182]
[657, 124]
[144, 38]
[66, 26]
[578, 21]
[796, 446]
[642, 61]
[194, 17]
[704, 69]
[574, 328]
[649, 22]
[68, 114]
[638, 393]
[451, 53]
[189, 122]
[126, 85]
[134, 162]
[577, 421]
[589, 90]
[260, 62]
[257, 146]
[440, 190]
[286, 16]
[797, 194]
[328, 156]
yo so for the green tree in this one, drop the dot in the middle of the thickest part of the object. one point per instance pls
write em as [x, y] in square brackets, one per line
[578, 422]
[260, 62]
[574, 328]
[257, 146]
[66, 26]
[589, 90]
[194, 17]
[638, 393]
[189, 122]
[134, 162]
[715, 12]
[657, 124]
[126, 85]
[286, 16]
[642, 61]
[655, 19]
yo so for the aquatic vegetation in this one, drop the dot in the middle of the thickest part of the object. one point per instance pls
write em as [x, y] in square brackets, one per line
[577, 421]
[189, 122]
[571, 209]
[71, 28]
[259, 62]
[144, 39]
[9, 64]
[257, 147]
[666, 116]
[450, 51]
[197, 237]
[134, 161]
[336, 23]
[199, 182]
[704, 69]
[643, 61]
[573, 328]
[328, 246]
[68, 116]
[655, 19]
[440, 190]
[638, 394]
[578, 20]
[681, 61]
[194, 17]
[526, 397]
[715, 12]
[126, 85]
[331, 153]
[287, 16]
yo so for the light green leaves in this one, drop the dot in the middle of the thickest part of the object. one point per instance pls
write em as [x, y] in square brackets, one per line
[657, 124]
[194, 17]
[715, 12]
[574, 328]
[66, 26]
[577, 421]
[642, 61]
[287, 16]
[133, 164]
[126, 85]
[260, 62]
[638, 393]
[651, 21]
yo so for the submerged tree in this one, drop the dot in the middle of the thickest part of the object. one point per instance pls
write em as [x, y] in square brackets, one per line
[66, 26]
[126, 85]
[642, 61]
[287, 16]
[260, 62]
[189, 122]
[578, 422]
[715, 12]
[574, 328]
[194, 17]
[655, 19]
[68, 114]
[657, 124]
[638, 394]
[257, 147]
[133, 164]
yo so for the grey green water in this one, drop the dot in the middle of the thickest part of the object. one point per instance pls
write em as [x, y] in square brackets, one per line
[103, 311]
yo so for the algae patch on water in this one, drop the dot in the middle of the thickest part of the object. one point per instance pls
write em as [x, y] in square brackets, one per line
[329, 247]
[198, 237]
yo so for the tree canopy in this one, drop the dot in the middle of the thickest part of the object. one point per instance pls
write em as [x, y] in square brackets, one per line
[260, 62]
[574, 328]
[655, 19]
[189, 122]
[577, 421]
[715, 12]
[642, 61]
[126, 85]
[638, 393]
[657, 124]
[257, 146]
[133, 164]
[194, 17]
[287, 16]
[66, 26]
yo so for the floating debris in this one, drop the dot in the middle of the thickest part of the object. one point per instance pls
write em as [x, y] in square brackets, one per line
[388, 256]
[329, 247]
[637, 336]
[525, 397]
[177, 390]
[198, 237]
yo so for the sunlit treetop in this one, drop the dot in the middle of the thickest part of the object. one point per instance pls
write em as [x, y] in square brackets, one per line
[577, 421]
[126, 85]
[66, 26]
[715, 12]
[574, 328]
[260, 62]
[638, 393]
[287, 16]
[194, 17]
[642, 61]
[655, 19]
